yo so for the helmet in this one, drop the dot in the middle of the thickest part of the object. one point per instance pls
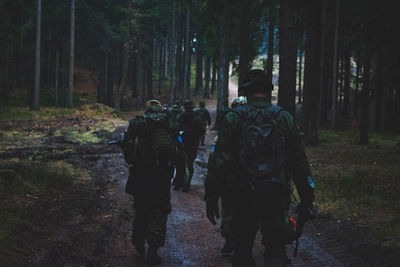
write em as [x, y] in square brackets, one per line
[153, 105]
[188, 104]
[202, 104]
[256, 76]
[238, 101]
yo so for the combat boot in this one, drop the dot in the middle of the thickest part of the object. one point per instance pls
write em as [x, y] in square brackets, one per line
[152, 256]
[243, 259]
[276, 258]
[139, 245]
[227, 249]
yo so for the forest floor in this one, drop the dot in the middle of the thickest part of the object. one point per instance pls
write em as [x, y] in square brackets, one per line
[63, 201]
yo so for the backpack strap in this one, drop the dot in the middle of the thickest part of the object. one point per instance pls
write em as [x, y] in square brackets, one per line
[275, 112]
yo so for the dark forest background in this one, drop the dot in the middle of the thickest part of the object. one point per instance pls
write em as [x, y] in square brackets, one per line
[338, 59]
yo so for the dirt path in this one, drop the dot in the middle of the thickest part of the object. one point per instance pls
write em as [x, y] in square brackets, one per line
[99, 229]
[92, 227]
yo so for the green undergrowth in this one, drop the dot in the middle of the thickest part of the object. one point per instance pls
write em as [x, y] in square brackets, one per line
[359, 183]
[23, 186]
[49, 113]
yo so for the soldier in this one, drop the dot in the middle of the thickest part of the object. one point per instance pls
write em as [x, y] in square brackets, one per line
[259, 149]
[204, 114]
[226, 196]
[221, 113]
[238, 101]
[150, 148]
[176, 109]
[190, 125]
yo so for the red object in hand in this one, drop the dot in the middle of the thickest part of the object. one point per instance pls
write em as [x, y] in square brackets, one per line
[293, 222]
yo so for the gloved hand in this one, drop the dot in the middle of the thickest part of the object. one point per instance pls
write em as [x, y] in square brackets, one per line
[306, 210]
[212, 210]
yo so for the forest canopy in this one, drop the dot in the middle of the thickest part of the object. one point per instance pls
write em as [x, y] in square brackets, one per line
[341, 55]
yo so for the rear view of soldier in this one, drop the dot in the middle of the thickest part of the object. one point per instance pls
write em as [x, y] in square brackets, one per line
[176, 109]
[190, 125]
[204, 114]
[259, 148]
[150, 147]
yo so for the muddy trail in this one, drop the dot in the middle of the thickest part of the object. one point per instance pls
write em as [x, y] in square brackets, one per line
[94, 227]
[91, 225]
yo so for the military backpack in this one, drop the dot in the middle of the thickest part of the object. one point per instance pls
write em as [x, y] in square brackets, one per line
[262, 150]
[153, 140]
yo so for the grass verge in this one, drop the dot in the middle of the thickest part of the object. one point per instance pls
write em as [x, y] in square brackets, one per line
[23, 186]
[360, 182]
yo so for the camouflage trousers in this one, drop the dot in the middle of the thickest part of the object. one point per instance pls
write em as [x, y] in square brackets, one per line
[259, 210]
[152, 204]
[151, 220]
[191, 153]
[226, 217]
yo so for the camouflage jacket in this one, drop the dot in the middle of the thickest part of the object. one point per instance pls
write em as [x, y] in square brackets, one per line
[137, 132]
[204, 115]
[222, 164]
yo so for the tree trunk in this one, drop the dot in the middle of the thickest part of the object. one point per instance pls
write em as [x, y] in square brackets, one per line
[57, 73]
[72, 55]
[322, 61]
[178, 62]
[140, 80]
[223, 55]
[346, 87]
[214, 77]
[37, 56]
[364, 123]
[172, 55]
[335, 67]
[312, 66]
[199, 69]
[125, 63]
[186, 85]
[270, 58]
[161, 68]
[287, 56]
[245, 40]
[207, 78]
[300, 74]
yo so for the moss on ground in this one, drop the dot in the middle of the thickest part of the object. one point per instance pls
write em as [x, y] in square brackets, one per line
[22, 185]
[360, 182]
[49, 113]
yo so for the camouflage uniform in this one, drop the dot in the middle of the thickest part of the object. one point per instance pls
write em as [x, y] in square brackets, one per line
[149, 181]
[191, 132]
[221, 113]
[205, 118]
[176, 109]
[252, 211]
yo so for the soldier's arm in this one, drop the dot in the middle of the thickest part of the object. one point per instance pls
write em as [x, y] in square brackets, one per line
[221, 163]
[208, 117]
[298, 162]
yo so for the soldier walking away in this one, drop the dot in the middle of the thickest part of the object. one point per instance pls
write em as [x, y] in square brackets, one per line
[259, 148]
[226, 195]
[221, 113]
[190, 126]
[150, 148]
[176, 109]
[238, 101]
[205, 117]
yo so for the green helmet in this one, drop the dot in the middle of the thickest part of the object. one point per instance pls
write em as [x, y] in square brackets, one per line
[258, 78]
[238, 101]
[153, 105]
[188, 104]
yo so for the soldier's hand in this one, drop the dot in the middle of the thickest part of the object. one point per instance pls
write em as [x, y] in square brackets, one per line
[212, 210]
[306, 210]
